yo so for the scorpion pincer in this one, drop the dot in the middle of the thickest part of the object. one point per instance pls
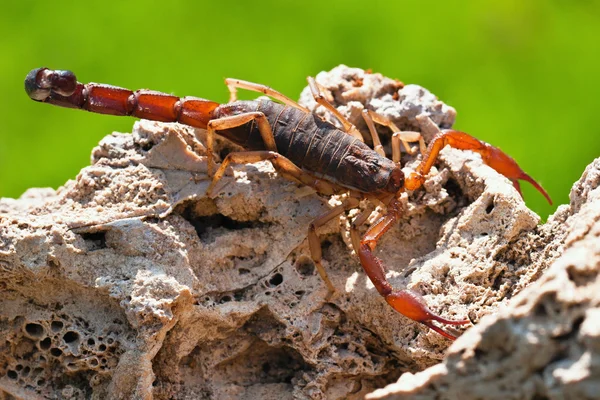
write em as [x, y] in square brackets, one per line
[301, 146]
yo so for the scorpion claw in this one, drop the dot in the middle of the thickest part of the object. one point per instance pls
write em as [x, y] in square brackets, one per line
[507, 166]
[411, 305]
[492, 156]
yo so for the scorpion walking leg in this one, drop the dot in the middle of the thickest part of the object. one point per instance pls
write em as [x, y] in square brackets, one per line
[356, 223]
[398, 136]
[233, 121]
[281, 164]
[374, 135]
[492, 156]
[315, 88]
[233, 84]
[313, 239]
[406, 302]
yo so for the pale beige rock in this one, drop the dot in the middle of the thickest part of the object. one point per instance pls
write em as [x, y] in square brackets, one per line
[129, 282]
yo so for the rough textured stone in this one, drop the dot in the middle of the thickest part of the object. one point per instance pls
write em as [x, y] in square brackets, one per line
[546, 343]
[130, 282]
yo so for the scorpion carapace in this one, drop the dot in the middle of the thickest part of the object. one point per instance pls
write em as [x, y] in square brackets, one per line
[302, 147]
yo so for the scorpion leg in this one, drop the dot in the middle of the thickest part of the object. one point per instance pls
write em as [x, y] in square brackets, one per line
[282, 164]
[315, 89]
[398, 136]
[233, 84]
[313, 238]
[357, 222]
[234, 121]
[406, 302]
[492, 156]
[374, 135]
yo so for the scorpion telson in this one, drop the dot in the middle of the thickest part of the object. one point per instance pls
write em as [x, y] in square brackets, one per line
[302, 147]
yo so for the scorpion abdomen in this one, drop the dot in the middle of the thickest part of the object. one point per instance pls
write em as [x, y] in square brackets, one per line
[313, 144]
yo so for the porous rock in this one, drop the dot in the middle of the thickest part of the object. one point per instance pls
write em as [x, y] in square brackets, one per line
[130, 282]
[546, 343]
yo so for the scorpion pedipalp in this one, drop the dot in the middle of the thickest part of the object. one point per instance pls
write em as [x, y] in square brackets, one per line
[412, 305]
[492, 156]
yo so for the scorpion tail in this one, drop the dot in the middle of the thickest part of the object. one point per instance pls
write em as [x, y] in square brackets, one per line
[62, 89]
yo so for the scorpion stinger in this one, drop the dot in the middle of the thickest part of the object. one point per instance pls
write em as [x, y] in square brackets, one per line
[301, 146]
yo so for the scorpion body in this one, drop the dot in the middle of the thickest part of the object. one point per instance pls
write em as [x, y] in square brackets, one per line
[301, 146]
[314, 145]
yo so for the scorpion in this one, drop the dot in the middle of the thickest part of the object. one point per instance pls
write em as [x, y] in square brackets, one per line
[302, 147]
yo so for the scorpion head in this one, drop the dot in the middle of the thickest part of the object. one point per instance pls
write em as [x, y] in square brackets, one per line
[395, 181]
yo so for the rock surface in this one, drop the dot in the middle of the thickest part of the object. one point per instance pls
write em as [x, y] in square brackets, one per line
[130, 282]
[546, 343]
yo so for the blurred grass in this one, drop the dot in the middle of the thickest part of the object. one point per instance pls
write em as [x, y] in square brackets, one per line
[522, 75]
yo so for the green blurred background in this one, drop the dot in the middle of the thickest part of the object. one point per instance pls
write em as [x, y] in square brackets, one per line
[522, 75]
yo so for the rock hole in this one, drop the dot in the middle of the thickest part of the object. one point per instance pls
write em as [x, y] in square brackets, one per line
[577, 323]
[72, 366]
[12, 374]
[34, 330]
[243, 271]
[266, 367]
[225, 299]
[299, 293]
[580, 277]
[102, 347]
[94, 362]
[94, 241]
[276, 280]
[203, 224]
[41, 382]
[91, 342]
[574, 329]
[56, 352]
[490, 208]
[147, 146]
[498, 281]
[56, 326]
[239, 295]
[26, 372]
[110, 340]
[71, 337]
[453, 189]
[479, 353]
[305, 267]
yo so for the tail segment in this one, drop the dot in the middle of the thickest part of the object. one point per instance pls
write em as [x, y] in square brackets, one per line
[62, 89]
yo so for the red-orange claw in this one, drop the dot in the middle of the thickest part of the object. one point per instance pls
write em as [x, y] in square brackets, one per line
[411, 305]
[536, 185]
[507, 166]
